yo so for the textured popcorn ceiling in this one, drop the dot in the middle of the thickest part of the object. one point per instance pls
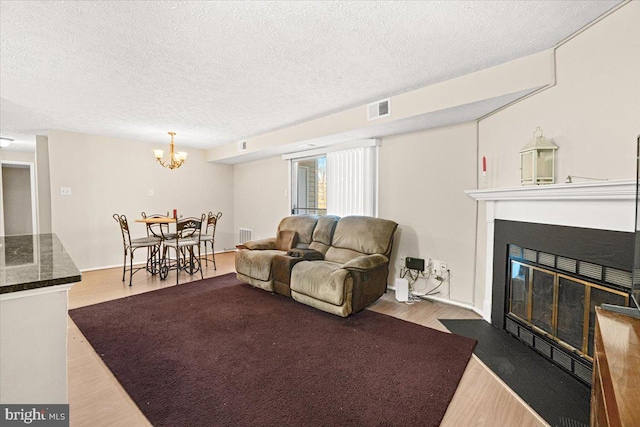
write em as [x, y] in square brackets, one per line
[216, 72]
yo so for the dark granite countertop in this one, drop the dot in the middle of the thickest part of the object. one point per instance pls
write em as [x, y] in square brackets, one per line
[34, 261]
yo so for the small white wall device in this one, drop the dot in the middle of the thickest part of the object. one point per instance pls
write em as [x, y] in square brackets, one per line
[402, 290]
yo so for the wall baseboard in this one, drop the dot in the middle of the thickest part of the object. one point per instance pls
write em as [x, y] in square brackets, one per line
[105, 267]
[446, 301]
[452, 302]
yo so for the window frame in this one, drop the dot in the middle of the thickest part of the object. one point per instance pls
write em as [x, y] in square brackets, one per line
[322, 152]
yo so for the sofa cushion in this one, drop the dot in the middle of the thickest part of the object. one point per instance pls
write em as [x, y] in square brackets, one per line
[321, 280]
[302, 224]
[356, 235]
[286, 240]
[323, 233]
[366, 262]
[340, 256]
[256, 264]
[262, 244]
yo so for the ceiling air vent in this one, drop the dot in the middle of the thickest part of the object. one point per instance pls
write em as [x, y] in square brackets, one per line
[378, 109]
[242, 146]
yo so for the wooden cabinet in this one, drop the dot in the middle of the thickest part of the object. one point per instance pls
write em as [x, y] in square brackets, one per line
[615, 394]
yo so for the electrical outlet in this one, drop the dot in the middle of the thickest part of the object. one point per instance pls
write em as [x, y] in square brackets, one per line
[402, 260]
[65, 191]
[435, 267]
[438, 268]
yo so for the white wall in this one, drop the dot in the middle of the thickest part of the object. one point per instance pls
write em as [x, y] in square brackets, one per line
[593, 113]
[260, 196]
[108, 176]
[422, 179]
[17, 156]
[423, 176]
[44, 184]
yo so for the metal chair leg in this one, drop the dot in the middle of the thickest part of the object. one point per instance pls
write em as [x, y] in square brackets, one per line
[177, 265]
[213, 255]
[124, 265]
[130, 267]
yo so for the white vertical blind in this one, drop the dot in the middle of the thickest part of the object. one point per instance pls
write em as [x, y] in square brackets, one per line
[352, 182]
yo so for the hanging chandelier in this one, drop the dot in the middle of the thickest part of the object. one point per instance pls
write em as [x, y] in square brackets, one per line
[175, 160]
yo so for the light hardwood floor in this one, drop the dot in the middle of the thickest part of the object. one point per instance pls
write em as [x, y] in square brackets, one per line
[97, 399]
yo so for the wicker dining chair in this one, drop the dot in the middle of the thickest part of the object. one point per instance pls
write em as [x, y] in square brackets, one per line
[184, 243]
[210, 237]
[151, 243]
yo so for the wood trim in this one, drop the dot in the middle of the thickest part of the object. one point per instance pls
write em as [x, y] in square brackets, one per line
[616, 371]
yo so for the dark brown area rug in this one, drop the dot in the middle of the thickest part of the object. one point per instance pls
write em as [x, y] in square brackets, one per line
[220, 353]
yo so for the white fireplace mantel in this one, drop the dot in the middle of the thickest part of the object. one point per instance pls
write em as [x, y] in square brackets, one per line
[605, 205]
[600, 190]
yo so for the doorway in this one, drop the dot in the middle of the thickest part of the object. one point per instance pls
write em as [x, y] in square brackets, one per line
[18, 199]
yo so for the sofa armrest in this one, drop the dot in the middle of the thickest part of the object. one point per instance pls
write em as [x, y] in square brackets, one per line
[366, 262]
[261, 245]
[306, 254]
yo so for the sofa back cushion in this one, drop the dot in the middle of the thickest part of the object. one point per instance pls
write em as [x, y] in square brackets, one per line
[286, 240]
[323, 233]
[303, 225]
[358, 235]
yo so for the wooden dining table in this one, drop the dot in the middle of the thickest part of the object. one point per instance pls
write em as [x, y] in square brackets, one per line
[158, 220]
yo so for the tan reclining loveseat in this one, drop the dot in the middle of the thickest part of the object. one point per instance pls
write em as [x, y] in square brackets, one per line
[342, 269]
[253, 260]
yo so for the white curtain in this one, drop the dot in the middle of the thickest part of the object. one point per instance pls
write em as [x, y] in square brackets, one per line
[352, 182]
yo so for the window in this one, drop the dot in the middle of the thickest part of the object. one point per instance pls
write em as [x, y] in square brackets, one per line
[309, 186]
[338, 182]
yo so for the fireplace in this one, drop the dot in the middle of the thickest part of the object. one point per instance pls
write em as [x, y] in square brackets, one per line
[551, 307]
[558, 306]
[547, 280]
[553, 253]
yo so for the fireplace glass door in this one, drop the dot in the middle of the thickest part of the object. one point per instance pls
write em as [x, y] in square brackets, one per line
[570, 327]
[558, 306]
[542, 300]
